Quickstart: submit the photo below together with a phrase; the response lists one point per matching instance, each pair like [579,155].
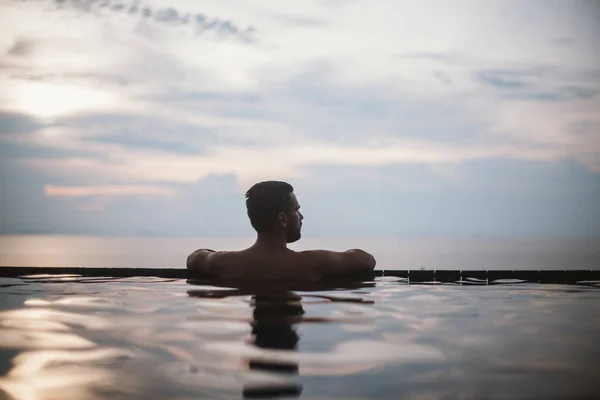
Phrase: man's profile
[274,213]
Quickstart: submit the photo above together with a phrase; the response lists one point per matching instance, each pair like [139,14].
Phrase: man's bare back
[256,263]
[274,213]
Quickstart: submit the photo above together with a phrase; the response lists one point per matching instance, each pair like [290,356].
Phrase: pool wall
[413,276]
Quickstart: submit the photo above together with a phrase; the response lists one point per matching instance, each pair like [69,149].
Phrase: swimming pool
[75,337]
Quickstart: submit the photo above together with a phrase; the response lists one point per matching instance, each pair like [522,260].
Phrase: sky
[388,117]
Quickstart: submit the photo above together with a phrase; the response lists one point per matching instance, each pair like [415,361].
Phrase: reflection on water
[96,338]
[272,327]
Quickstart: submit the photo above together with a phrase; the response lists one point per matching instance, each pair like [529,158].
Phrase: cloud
[11,123]
[491,197]
[500,197]
[109,191]
[538,85]
[503,79]
[294,20]
[21,47]
[135,11]
[164,95]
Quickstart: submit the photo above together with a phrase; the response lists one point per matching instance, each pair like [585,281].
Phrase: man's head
[273,208]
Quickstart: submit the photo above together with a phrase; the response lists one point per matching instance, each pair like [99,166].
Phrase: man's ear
[282,219]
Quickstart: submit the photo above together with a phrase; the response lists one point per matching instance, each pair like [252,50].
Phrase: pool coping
[416,276]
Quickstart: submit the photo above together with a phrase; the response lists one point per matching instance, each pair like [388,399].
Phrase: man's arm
[331,263]
[199,260]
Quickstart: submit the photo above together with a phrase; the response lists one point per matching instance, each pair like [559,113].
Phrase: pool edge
[413,276]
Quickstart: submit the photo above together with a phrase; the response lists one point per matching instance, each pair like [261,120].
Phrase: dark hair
[265,200]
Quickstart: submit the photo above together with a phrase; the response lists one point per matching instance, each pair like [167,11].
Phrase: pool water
[70,337]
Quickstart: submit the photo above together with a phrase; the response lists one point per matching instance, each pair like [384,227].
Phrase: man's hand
[362,258]
[331,263]
[199,260]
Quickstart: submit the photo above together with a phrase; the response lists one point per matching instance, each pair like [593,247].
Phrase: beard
[293,235]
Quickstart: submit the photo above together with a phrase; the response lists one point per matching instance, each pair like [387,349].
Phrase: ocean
[400,253]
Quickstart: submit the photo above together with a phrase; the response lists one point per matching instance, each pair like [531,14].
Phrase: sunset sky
[389,117]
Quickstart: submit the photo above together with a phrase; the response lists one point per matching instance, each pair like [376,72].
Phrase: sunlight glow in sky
[47,100]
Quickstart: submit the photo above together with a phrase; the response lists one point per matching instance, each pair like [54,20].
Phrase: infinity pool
[69,337]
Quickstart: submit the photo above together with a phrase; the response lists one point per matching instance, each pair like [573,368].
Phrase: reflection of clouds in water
[30,316]
[409,341]
[349,356]
[65,374]
[201,377]
[358,328]
[21,339]
[487,332]
[216,328]
[82,301]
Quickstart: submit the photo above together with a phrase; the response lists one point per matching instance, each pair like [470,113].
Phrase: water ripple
[76,337]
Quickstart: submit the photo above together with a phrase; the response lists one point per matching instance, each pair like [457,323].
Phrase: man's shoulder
[204,258]
[330,262]
[316,257]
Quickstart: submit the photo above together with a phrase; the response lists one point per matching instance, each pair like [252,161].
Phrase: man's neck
[271,240]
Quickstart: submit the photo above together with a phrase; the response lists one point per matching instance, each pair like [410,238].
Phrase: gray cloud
[495,196]
[129,139]
[212,206]
[22,152]
[320,106]
[504,79]
[11,123]
[168,16]
[560,94]
[535,83]
[564,41]
[118,79]
[195,97]
[244,105]
[539,84]
[442,57]
[522,198]
[22,47]
[337,3]
[17,140]
[150,133]
[296,20]
[442,77]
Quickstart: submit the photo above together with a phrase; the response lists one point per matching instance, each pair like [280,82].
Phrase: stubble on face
[294,230]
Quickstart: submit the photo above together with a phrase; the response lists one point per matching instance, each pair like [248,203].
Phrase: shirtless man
[274,213]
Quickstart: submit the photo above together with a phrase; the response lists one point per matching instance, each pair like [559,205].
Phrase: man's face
[294,224]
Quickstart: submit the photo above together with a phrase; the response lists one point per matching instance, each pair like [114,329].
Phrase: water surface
[95,338]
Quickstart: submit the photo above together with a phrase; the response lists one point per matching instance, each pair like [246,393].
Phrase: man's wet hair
[265,200]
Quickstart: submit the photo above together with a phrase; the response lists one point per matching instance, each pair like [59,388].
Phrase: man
[275,214]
